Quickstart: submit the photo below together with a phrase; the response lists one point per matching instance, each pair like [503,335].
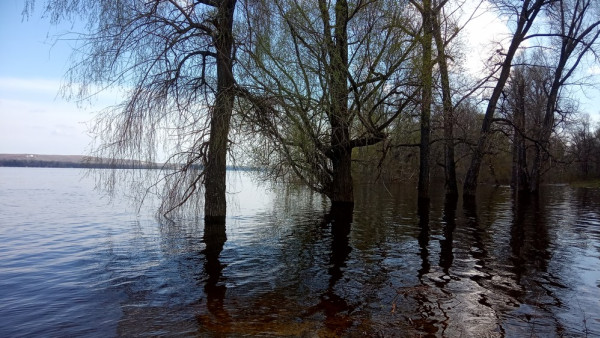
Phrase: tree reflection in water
[336,309]
[508,266]
[423,239]
[215,288]
[354,269]
[449,224]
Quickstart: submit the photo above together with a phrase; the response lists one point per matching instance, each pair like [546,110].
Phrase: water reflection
[215,288]
[449,224]
[290,265]
[336,309]
[532,290]
[423,238]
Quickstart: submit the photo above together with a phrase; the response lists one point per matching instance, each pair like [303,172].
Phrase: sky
[33,116]
[35,119]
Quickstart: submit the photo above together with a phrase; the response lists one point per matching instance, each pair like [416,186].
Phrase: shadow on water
[531,252]
[291,265]
[446,243]
[215,289]
[278,311]
[336,309]
[501,269]
[423,238]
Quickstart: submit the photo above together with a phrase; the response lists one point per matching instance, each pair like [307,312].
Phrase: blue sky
[34,118]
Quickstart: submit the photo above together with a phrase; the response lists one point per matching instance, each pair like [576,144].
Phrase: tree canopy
[310,90]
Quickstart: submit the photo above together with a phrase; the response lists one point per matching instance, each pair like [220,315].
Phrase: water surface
[285,263]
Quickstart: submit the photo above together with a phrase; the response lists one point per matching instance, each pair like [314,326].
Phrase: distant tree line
[24,163]
[65,164]
[323,92]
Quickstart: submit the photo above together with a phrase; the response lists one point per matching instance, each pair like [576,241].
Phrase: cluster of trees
[584,151]
[317,90]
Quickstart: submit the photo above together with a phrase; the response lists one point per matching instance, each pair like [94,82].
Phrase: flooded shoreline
[286,264]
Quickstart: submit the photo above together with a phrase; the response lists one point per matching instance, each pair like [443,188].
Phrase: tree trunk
[470,185]
[527,15]
[342,186]
[543,144]
[519,182]
[214,239]
[426,94]
[215,204]
[341,190]
[449,162]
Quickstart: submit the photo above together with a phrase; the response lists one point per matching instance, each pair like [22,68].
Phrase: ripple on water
[74,265]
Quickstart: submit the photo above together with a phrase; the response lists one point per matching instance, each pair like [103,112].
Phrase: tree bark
[215,204]
[341,190]
[449,162]
[426,98]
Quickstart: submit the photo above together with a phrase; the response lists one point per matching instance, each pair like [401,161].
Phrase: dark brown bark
[449,162]
[215,204]
[528,13]
[341,190]
[214,239]
[426,98]
[342,185]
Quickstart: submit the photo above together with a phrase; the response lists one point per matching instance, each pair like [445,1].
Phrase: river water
[73,263]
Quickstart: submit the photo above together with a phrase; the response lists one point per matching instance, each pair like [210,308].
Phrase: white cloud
[485,34]
[33,119]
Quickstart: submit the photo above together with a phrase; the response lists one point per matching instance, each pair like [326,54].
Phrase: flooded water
[286,264]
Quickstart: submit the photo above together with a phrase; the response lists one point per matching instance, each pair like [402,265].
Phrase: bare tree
[173,61]
[331,76]
[524,102]
[444,31]
[575,28]
[520,173]
[524,13]
[425,37]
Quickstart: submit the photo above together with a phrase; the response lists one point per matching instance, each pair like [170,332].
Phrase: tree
[525,99]
[447,105]
[585,149]
[525,15]
[216,165]
[321,80]
[426,78]
[174,62]
[575,28]
[520,173]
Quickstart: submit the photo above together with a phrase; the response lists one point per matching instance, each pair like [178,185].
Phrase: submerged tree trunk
[215,204]
[214,239]
[426,98]
[449,162]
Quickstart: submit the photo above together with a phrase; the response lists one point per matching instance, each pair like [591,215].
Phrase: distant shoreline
[79,161]
[69,161]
